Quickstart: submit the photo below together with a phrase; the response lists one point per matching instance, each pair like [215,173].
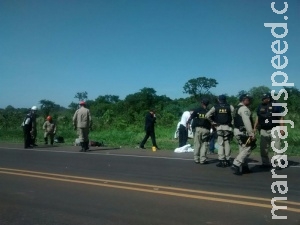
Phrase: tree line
[110,111]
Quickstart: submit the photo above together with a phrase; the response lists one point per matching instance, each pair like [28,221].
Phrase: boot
[46,140]
[236,170]
[221,163]
[82,147]
[86,146]
[245,169]
[227,163]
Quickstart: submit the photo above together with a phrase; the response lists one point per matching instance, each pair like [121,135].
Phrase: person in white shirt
[183,128]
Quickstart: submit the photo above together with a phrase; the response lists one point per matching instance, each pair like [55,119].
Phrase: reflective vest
[223,114]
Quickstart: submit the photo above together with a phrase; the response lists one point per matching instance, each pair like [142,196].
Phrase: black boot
[221,163]
[236,170]
[82,146]
[46,141]
[245,169]
[86,146]
[227,163]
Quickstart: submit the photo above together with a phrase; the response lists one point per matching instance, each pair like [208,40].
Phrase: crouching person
[50,130]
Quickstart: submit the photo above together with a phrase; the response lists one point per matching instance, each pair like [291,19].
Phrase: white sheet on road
[183,149]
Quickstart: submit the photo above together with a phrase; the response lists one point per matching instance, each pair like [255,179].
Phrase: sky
[52,49]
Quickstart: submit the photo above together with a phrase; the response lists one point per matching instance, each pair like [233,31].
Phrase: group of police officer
[236,121]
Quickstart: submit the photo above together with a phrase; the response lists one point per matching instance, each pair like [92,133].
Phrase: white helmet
[34,108]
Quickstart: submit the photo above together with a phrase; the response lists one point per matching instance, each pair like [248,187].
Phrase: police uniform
[82,121]
[222,113]
[265,122]
[201,127]
[27,129]
[243,130]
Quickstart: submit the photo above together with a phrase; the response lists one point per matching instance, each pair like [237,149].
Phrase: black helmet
[205,102]
[265,96]
[244,96]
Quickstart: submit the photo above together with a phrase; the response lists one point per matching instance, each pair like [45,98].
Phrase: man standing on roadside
[220,116]
[82,122]
[243,132]
[150,121]
[201,133]
[183,128]
[29,128]
[264,122]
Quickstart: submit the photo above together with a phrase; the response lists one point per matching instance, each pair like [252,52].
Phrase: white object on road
[183,149]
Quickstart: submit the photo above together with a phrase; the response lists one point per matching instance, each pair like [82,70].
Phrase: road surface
[59,185]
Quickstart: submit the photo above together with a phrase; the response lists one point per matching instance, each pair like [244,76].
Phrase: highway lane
[66,187]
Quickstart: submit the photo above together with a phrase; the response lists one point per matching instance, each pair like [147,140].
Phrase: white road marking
[112,154]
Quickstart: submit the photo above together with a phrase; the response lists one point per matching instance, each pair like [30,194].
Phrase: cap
[34,108]
[222,98]
[265,96]
[205,102]
[244,96]
[82,103]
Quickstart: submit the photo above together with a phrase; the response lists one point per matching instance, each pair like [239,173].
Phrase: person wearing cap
[50,129]
[221,116]
[201,127]
[29,128]
[150,121]
[264,122]
[82,122]
[244,134]
[183,128]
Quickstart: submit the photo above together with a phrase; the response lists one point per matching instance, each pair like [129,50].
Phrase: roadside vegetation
[119,122]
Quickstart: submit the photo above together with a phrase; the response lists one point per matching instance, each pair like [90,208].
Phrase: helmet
[205,102]
[265,96]
[34,108]
[244,96]
[81,103]
[222,98]
[49,118]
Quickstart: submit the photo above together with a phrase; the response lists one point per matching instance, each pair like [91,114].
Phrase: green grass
[130,137]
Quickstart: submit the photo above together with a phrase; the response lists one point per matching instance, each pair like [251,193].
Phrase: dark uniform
[221,115]
[27,129]
[201,127]
[265,123]
[150,121]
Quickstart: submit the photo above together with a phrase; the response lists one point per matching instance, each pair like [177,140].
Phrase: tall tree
[47,107]
[200,86]
[81,96]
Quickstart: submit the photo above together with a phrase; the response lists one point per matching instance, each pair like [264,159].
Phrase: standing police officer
[220,116]
[264,122]
[201,127]
[29,128]
[82,121]
[243,132]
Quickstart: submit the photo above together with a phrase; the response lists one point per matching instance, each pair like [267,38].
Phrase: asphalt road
[59,185]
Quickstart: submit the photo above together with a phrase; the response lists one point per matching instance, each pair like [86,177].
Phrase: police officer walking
[221,116]
[82,122]
[264,122]
[29,128]
[243,132]
[201,127]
